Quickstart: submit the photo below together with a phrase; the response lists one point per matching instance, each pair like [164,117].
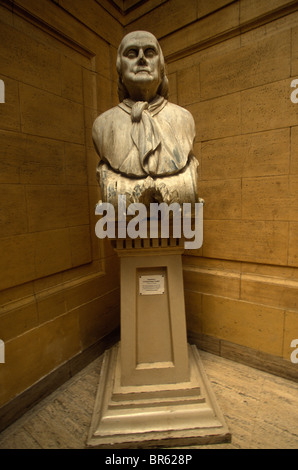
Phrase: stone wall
[59,284]
[231,63]
[232,67]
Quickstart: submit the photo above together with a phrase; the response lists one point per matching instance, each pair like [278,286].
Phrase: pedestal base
[164,415]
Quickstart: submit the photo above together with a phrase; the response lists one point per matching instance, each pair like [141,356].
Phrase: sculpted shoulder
[105,125]
[179,117]
[175,109]
[105,118]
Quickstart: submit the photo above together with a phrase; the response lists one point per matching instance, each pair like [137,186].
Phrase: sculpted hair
[163,89]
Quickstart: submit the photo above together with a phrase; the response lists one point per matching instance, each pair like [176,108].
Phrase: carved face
[140,61]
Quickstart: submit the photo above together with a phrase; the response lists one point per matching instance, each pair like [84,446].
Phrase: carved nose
[142,58]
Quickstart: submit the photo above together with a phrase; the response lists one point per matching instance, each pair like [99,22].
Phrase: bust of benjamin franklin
[145,143]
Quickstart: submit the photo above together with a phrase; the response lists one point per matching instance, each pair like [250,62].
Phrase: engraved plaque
[151,284]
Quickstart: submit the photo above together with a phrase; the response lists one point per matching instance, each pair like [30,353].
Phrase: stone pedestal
[153,329]
[153,390]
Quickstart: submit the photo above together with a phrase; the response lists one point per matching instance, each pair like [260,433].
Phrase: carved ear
[118,64]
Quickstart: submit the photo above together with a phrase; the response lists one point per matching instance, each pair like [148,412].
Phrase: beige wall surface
[232,67]
[59,284]
[231,63]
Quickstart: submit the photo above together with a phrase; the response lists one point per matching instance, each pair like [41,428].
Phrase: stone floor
[260,409]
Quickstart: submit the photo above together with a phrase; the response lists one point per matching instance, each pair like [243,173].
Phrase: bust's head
[141,68]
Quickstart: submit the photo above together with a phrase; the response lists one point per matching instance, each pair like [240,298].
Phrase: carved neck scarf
[145,132]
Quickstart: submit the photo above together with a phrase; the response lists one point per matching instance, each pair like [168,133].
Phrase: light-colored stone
[13,210]
[271,28]
[79,238]
[293,244]
[188,85]
[149,389]
[104,93]
[145,138]
[19,320]
[270,270]
[43,162]
[252,9]
[290,333]
[248,155]
[57,32]
[153,330]
[270,198]
[279,292]
[246,396]
[212,280]
[12,153]
[20,370]
[52,252]
[246,240]
[26,60]
[294,52]
[216,118]
[42,215]
[173,93]
[76,205]
[69,206]
[48,115]
[294,150]
[17,254]
[249,324]
[197,32]
[265,61]
[49,342]
[171,414]
[50,306]
[268,107]
[226,206]
[98,317]
[93,15]
[32,255]
[10,110]
[205,8]
[163,20]
[75,164]
[89,88]
[193,306]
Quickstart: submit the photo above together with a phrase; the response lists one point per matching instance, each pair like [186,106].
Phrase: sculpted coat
[146,147]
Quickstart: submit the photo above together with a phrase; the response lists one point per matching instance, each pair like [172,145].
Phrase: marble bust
[145,143]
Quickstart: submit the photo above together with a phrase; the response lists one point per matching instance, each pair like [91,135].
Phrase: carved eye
[150,52]
[132,53]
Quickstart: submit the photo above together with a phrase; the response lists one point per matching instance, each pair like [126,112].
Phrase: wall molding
[232,33]
[47,28]
[257,359]
[22,403]
[264,281]
[47,292]
[129,12]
